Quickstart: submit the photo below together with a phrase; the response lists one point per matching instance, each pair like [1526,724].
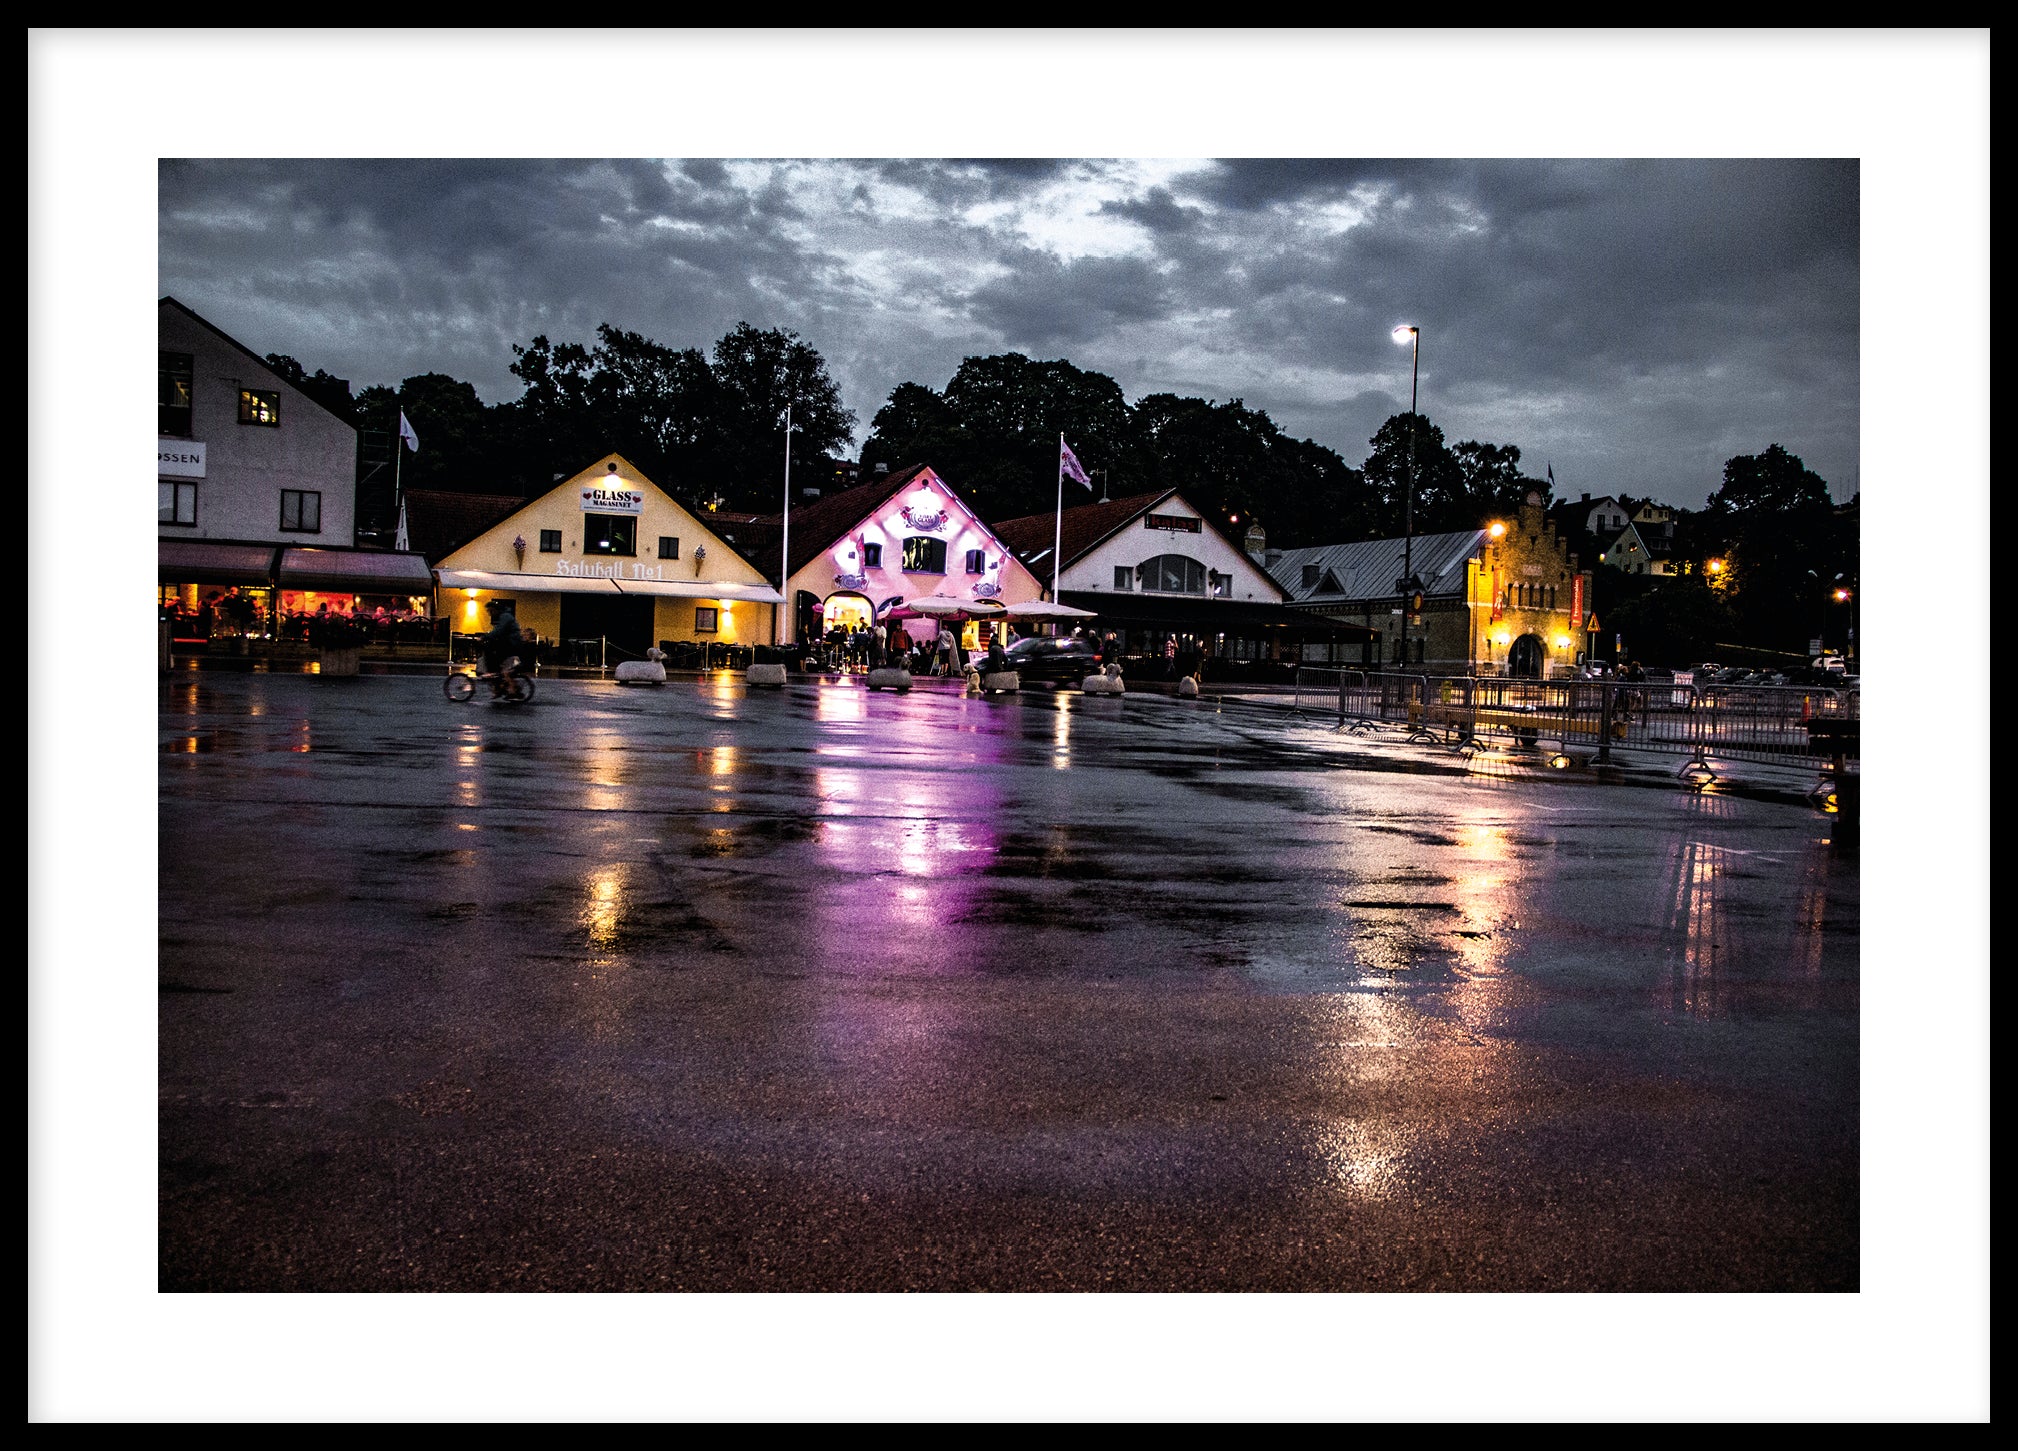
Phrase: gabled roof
[1368,570]
[439,522]
[224,336]
[816,526]
[1079,530]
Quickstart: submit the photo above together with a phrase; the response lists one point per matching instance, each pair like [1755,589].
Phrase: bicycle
[511,684]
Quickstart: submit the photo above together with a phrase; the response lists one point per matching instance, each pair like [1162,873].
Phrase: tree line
[708,426]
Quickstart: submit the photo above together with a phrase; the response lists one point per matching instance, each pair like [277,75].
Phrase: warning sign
[1592,626]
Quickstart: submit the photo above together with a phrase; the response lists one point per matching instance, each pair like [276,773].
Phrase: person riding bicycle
[505,641]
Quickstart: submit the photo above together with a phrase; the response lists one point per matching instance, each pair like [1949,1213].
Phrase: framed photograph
[705,619]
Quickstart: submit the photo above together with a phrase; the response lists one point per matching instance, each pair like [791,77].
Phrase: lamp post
[1412,335]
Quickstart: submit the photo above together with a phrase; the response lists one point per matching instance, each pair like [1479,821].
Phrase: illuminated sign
[612,499]
[1176,523]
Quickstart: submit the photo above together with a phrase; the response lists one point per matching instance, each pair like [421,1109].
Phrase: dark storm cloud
[1626,319]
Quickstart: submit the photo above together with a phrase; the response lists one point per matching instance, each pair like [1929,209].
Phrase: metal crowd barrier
[1592,719]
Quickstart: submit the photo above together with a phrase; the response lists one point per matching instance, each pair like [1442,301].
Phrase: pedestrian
[945,650]
[1170,654]
[879,640]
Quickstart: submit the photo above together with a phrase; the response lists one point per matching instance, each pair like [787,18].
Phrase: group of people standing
[871,647]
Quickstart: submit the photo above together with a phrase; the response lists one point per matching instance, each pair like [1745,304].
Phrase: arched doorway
[846,610]
[1524,659]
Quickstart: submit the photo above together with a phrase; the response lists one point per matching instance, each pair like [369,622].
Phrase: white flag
[1068,464]
[407,435]
[399,534]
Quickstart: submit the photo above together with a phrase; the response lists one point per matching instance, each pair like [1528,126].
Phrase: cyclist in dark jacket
[504,641]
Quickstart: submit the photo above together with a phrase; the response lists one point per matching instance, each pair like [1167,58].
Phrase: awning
[518,584]
[1208,616]
[200,561]
[355,571]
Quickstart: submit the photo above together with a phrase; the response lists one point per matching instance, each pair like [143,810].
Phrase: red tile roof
[439,522]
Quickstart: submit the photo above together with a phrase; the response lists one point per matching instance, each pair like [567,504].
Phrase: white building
[1160,574]
[258,493]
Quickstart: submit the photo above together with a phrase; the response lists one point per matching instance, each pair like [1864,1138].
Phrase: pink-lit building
[856,554]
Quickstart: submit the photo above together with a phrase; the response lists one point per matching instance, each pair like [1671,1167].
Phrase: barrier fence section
[1592,719]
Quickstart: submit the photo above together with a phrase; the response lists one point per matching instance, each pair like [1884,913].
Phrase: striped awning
[355,571]
[203,561]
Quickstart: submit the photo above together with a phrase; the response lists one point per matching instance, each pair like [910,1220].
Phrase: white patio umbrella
[1048,610]
[944,607]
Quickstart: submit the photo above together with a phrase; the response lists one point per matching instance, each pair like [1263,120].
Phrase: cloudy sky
[1632,323]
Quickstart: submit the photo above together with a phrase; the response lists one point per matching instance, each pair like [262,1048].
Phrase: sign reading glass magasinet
[612,499]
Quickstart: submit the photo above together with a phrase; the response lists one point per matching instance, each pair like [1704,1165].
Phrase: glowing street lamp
[1411,336]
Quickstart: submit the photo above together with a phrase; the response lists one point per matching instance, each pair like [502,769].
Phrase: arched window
[1173,574]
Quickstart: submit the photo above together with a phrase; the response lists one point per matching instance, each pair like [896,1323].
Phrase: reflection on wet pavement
[826,988]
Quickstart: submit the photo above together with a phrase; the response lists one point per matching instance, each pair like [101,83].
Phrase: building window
[1124,577]
[178,502]
[178,373]
[300,511]
[1174,574]
[924,556]
[260,408]
[872,556]
[550,541]
[1219,586]
[707,620]
[977,561]
[669,547]
[609,534]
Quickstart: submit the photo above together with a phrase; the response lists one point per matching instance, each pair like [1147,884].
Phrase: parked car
[1068,659]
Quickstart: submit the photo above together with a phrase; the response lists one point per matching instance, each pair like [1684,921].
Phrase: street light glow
[1404,334]
[1498,530]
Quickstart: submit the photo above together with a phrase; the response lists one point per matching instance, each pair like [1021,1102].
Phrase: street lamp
[1412,336]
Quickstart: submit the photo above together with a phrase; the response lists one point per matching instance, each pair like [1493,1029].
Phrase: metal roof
[1368,570]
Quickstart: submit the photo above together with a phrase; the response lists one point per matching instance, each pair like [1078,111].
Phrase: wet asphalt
[701,988]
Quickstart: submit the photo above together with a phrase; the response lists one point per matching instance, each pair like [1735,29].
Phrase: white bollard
[641,672]
[1107,683]
[890,677]
[1188,687]
[996,680]
[771,674]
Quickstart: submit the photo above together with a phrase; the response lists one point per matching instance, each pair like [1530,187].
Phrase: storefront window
[1174,574]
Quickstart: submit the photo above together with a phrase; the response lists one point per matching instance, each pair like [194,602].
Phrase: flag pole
[785,543]
[1058,520]
[398,448]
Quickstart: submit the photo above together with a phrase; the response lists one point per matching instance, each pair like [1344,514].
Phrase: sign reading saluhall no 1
[612,499]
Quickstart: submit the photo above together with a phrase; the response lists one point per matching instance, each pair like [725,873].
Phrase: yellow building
[607,565]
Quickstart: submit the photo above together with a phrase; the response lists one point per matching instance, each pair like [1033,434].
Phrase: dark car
[1067,659]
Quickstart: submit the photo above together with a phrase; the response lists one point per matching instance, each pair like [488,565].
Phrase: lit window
[924,556]
[178,502]
[301,511]
[260,408]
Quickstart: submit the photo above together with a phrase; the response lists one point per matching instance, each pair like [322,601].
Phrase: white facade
[1133,560]
[287,475]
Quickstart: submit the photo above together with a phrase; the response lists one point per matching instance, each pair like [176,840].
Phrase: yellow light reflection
[1363,1157]
[603,906]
